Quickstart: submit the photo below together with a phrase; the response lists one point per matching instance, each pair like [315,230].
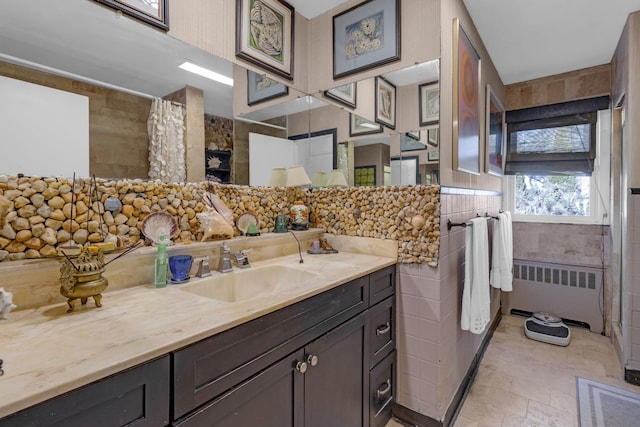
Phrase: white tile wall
[433,353]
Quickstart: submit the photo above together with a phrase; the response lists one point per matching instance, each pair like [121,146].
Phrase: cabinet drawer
[382,330]
[382,390]
[382,284]
[137,396]
[208,368]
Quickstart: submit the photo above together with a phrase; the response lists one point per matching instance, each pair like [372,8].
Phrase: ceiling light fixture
[204,72]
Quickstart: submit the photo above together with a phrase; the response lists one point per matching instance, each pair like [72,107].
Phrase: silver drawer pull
[383,391]
[383,329]
[312,360]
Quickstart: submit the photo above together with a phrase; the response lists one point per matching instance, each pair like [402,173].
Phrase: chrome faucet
[226,256]
[224,263]
[241,259]
[203,267]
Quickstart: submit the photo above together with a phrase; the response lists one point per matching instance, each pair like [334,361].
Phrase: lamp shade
[297,177]
[319,179]
[278,177]
[337,179]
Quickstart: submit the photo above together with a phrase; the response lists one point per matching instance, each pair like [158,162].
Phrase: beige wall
[571,86]
[373,155]
[117,123]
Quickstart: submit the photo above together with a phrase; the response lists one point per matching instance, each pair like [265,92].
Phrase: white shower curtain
[166,141]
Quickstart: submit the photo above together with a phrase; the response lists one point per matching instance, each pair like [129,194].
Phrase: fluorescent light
[369,125]
[204,72]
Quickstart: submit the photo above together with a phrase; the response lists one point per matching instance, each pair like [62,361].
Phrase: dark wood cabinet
[333,388]
[138,396]
[328,360]
[272,398]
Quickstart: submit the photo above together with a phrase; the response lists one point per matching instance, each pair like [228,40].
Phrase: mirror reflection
[337,128]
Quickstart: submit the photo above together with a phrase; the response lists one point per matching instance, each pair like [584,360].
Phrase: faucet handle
[225,248]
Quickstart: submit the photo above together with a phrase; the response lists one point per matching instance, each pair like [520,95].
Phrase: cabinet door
[335,389]
[272,398]
[138,396]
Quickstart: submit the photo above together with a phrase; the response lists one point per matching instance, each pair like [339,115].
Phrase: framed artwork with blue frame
[366,36]
[261,88]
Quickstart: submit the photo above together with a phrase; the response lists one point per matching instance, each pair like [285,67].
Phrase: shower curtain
[166,141]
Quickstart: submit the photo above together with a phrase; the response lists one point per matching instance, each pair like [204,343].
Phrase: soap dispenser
[161,264]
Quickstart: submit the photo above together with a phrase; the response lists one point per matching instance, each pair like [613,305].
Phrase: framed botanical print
[429,96]
[345,94]
[264,34]
[154,12]
[433,136]
[361,126]
[466,99]
[415,134]
[495,134]
[366,36]
[408,143]
[385,103]
[261,88]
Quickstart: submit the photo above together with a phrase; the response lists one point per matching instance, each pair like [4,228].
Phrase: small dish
[177,282]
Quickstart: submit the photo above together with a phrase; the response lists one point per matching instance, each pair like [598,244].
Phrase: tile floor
[522,382]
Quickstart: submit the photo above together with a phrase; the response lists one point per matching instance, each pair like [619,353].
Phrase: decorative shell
[158,223]
[214,162]
[245,220]
[213,225]
[6,303]
[215,202]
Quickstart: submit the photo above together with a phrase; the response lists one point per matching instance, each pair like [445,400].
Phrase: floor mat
[601,405]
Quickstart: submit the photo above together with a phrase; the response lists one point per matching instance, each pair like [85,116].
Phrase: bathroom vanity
[316,354]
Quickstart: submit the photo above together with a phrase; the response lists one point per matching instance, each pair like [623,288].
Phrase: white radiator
[571,292]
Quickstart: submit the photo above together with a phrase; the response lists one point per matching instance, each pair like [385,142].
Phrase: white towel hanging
[476,301]
[502,261]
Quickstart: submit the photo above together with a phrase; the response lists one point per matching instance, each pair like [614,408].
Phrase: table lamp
[299,214]
[319,179]
[337,179]
[278,177]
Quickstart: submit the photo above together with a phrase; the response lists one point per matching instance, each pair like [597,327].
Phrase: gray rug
[600,405]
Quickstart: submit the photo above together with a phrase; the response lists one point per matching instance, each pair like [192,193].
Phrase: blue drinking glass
[180,265]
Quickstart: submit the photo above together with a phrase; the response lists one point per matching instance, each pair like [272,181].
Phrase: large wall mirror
[376,140]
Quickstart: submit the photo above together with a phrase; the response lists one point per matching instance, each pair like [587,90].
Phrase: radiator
[571,292]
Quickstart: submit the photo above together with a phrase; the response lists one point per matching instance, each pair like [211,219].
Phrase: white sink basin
[253,282]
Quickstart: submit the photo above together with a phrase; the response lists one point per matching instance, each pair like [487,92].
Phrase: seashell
[245,220]
[6,303]
[417,221]
[213,201]
[214,225]
[214,162]
[158,223]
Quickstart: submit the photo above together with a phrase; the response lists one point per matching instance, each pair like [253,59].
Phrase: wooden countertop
[47,351]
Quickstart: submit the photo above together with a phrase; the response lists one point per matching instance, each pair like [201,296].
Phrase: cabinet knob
[301,367]
[312,360]
[383,391]
[383,329]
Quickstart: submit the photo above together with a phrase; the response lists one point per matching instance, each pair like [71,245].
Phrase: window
[559,169]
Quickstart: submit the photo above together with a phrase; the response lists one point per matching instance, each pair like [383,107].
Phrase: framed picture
[496,135]
[433,136]
[261,88]
[408,143]
[466,96]
[429,96]
[366,36]
[361,126]
[433,156]
[365,176]
[154,12]
[385,103]
[415,134]
[264,34]
[345,94]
